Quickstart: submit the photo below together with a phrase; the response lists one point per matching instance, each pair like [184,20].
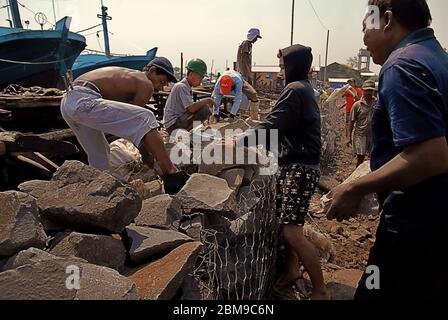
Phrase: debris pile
[86,234]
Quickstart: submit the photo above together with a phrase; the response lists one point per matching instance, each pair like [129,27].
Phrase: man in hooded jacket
[296,118]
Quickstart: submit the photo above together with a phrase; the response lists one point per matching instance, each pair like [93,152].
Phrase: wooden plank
[29,102]
[17,142]
[59,135]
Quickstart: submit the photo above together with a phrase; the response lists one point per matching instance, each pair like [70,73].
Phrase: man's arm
[198,106]
[153,144]
[414,165]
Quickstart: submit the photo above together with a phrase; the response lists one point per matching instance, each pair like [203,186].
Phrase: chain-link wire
[239,257]
[332,126]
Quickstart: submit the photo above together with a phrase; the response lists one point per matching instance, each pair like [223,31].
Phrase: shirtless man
[112,100]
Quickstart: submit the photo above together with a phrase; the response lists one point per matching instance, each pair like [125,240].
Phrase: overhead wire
[317,15]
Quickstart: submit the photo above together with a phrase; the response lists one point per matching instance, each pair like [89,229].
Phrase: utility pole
[320,67]
[292,22]
[181,65]
[326,57]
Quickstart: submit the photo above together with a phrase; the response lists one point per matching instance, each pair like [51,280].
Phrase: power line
[92,33]
[317,15]
[84,30]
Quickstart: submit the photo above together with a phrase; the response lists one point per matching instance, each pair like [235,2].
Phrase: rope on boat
[37,63]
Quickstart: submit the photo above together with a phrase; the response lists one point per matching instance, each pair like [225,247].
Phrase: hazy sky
[212,29]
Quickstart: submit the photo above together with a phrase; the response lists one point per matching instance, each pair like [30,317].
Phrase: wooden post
[181,65]
[292,22]
[326,58]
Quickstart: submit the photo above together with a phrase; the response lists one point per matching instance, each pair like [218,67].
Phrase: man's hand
[345,202]
[210,102]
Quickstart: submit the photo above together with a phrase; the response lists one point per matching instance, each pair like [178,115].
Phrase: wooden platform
[11,102]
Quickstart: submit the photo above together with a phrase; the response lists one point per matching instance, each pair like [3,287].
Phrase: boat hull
[88,62]
[36,58]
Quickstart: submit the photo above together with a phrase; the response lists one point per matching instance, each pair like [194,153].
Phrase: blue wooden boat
[91,61]
[37,57]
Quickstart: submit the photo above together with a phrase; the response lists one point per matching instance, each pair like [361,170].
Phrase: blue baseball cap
[165,65]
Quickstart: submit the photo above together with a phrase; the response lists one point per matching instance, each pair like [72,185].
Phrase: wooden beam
[30,102]
[59,135]
[18,142]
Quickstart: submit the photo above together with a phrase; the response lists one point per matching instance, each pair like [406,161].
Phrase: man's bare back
[121,84]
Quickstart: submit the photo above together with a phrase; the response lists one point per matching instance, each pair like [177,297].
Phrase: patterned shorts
[295,187]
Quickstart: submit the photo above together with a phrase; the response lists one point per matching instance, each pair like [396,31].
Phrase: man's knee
[203,114]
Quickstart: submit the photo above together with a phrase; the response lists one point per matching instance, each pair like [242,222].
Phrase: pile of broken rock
[86,235]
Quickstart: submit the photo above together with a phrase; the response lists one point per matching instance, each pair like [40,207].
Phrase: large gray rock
[248,199]
[36,275]
[249,173]
[191,290]
[242,157]
[230,129]
[96,249]
[161,280]
[192,226]
[217,228]
[147,243]
[28,187]
[247,225]
[147,190]
[161,210]
[85,199]
[31,256]
[206,193]
[234,178]
[20,228]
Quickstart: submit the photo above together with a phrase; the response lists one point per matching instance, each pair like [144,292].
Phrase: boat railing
[92,51]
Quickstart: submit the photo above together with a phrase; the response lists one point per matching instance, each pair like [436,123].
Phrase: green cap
[198,66]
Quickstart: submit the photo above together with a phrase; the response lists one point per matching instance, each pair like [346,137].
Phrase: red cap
[226,84]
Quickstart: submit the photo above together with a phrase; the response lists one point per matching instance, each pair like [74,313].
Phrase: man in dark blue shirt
[409,158]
